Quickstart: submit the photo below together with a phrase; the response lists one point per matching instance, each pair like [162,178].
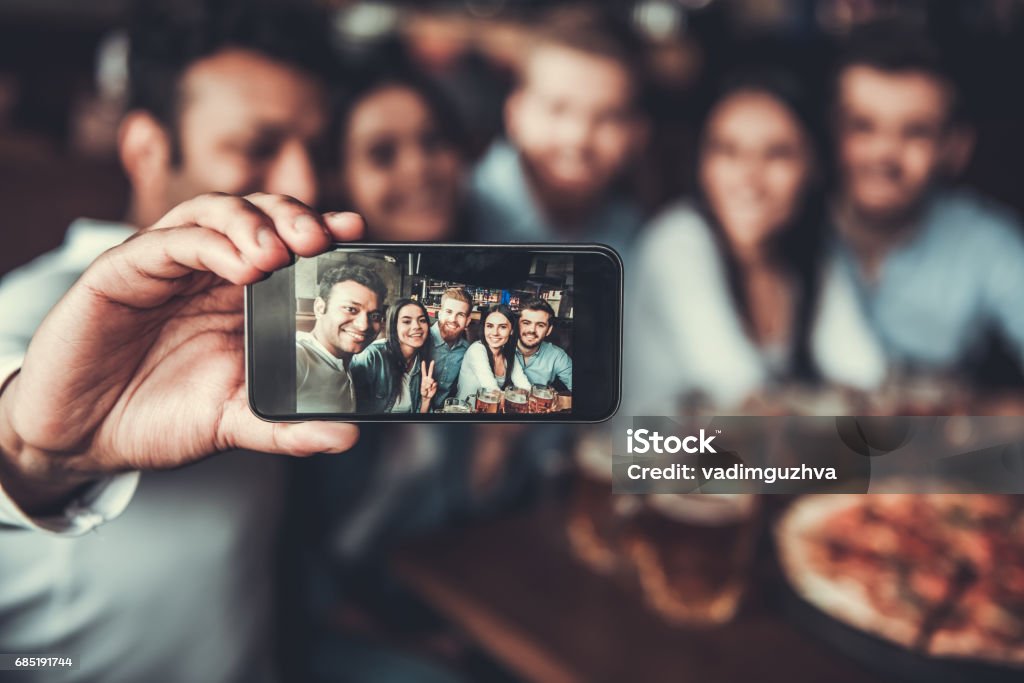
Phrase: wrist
[29,476]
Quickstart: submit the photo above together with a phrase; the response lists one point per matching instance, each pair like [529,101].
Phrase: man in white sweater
[122,362]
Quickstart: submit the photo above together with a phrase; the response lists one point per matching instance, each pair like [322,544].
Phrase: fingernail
[265,237]
[306,223]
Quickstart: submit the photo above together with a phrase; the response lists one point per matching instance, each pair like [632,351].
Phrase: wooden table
[515,587]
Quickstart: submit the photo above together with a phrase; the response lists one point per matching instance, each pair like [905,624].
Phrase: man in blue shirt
[543,361]
[575,125]
[937,269]
[448,336]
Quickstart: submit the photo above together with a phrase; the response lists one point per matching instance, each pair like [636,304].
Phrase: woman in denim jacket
[395,374]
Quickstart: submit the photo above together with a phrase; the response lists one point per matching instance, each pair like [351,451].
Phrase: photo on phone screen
[438,332]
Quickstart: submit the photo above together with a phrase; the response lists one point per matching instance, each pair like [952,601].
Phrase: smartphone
[438,332]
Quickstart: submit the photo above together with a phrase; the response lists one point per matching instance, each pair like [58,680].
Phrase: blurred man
[574,125]
[450,344]
[543,361]
[937,267]
[140,365]
[348,317]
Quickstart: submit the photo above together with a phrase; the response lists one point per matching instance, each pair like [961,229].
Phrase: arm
[476,362]
[563,368]
[151,353]
[694,337]
[1004,284]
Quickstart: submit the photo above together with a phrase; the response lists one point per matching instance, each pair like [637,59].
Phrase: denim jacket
[377,380]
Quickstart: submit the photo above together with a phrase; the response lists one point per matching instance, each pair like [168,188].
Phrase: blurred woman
[401,157]
[737,289]
[491,363]
[395,374]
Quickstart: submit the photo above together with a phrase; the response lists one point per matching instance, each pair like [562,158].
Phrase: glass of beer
[455,405]
[596,516]
[692,554]
[516,400]
[487,400]
[541,398]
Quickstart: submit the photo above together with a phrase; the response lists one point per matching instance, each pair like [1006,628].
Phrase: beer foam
[707,508]
[594,456]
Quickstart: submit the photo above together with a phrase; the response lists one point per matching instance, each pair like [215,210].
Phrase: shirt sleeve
[1004,282]
[563,368]
[476,362]
[101,502]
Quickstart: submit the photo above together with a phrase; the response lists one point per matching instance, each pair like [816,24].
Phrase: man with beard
[543,361]
[574,125]
[348,318]
[937,268]
[448,335]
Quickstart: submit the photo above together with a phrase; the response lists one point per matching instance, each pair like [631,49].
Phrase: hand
[428,385]
[140,365]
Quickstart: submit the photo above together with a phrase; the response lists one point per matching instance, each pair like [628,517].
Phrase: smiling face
[349,320]
[452,319]
[755,165]
[534,327]
[400,172]
[894,136]
[574,121]
[247,124]
[411,325]
[497,330]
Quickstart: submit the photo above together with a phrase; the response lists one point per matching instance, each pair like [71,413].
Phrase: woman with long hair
[401,155]
[491,362]
[395,374]
[738,288]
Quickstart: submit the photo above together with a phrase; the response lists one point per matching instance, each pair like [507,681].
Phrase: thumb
[240,428]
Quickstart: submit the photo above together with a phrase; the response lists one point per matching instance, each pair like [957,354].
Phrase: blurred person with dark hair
[575,123]
[491,363]
[348,318]
[737,289]
[401,155]
[396,374]
[225,97]
[937,268]
[543,362]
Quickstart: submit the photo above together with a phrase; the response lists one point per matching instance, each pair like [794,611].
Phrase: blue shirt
[546,364]
[447,364]
[937,294]
[504,209]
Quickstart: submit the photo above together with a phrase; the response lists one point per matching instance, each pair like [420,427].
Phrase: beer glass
[516,400]
[692,554]
[541,398]
[487,400]
[455,405]
[596,516]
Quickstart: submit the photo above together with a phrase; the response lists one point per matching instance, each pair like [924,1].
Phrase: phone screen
[414,332]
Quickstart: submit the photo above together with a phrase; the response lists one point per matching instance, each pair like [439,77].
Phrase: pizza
[938,573]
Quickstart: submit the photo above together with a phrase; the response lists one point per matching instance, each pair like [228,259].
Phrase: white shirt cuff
[100,503]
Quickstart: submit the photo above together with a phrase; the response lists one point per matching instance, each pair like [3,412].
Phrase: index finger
[430,372]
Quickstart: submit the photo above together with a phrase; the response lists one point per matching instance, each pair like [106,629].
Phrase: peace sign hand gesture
[428,385]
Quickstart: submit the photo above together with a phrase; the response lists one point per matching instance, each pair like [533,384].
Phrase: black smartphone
[438,332]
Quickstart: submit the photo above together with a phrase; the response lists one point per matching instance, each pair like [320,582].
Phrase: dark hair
[508,350]
[166,37]
[894,46]
[799,245]
[394,349]
[358,273]
[537,304]
[392,69]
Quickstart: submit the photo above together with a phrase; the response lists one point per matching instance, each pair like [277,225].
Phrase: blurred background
[501,554]
[63,80]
